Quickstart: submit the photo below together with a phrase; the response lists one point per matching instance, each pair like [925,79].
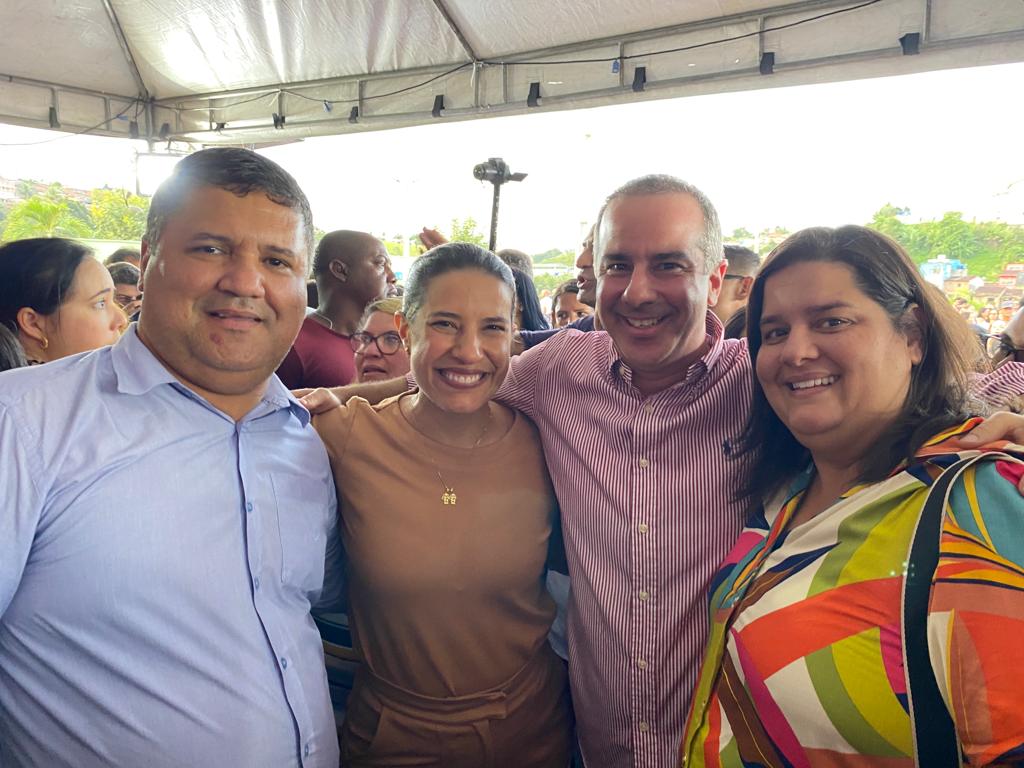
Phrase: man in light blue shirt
[168,510]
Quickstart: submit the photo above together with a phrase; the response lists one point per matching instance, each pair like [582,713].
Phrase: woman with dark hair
[529,314]
[446,514]
[841,633]
[57,298]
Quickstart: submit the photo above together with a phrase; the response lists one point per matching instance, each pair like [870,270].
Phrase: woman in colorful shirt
[861,392]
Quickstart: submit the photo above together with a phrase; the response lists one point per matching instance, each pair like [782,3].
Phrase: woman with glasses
[379,352]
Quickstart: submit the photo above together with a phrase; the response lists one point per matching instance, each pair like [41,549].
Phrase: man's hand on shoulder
[320,400]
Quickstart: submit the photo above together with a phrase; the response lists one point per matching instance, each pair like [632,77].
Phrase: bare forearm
[371,391]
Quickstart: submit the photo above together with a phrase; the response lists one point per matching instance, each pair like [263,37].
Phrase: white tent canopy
[256,71]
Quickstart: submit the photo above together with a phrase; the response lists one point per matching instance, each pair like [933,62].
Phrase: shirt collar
[138,371]
[714,332]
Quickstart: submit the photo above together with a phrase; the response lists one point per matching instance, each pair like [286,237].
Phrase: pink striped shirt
[644,485]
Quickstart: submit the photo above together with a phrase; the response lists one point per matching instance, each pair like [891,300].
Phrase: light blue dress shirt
[158,562]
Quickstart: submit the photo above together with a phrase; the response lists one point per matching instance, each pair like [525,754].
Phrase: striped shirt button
[643,726]
[643,528]
[641,663]
[644,463]
[644,595]
[648,408]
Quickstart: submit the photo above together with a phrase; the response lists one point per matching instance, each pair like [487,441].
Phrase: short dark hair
[664,184]
[742,261]
[938,396]
[37,273]
[239,171]
[123,273]
[517,260]
[12,355]
[450,257]
[122,254]
[569,286]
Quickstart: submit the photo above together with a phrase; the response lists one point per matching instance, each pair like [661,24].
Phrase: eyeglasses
[999,347]
[387,343]
[729,276]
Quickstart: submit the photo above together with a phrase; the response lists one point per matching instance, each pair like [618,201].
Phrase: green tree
[465,231]
[740,234]
[118,214]
[43,216]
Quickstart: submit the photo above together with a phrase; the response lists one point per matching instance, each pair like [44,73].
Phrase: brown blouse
[443,600]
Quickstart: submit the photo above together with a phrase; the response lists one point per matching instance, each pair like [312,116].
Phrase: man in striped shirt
[638,428]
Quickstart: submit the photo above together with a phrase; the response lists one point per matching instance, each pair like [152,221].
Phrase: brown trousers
[524,723]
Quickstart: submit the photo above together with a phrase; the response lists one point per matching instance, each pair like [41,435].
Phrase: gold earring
[46,342]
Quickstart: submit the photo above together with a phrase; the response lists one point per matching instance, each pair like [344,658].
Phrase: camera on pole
[496,171]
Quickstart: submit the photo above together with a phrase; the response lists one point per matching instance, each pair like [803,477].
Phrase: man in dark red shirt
[351,269]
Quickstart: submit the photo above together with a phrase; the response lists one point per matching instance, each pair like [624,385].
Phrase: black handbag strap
[936,744]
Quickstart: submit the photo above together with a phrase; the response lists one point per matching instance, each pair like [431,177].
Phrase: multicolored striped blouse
[804,666]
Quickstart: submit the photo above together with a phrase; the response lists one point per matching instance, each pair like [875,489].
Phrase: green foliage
[740,234]
[548,281]
[118,215]
[112,214]
[465,231]
[554,256]
[42,216]
[985,247]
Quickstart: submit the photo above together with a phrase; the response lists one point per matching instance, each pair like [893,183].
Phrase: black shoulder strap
[936,744]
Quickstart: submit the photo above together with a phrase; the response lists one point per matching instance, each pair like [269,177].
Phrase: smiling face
[653,290]
[832,364]
[461,339]
[225,290]
[88,318]
[371,363]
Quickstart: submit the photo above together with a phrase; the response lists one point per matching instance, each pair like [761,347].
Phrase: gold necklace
[449,497]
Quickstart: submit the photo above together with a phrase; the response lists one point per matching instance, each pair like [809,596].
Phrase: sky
[826,154]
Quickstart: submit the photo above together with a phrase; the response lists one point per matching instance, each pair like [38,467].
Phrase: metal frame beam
[447,16]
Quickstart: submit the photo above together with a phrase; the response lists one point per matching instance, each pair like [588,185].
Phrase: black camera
[496,171]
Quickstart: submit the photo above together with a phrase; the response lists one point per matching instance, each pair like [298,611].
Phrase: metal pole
[494,217]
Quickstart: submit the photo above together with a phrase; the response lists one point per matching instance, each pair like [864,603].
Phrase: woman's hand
[317,401]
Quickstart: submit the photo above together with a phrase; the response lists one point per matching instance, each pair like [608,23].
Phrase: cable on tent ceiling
[119,115]
[604,60]
[608,59]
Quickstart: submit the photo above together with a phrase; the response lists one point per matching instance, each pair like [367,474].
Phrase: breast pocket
[303,507]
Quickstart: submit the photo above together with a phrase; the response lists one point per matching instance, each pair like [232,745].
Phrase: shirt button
[284,663]
[644,595]
[248,506]
[305,751]
[256,582]
[648,408]
[643,726]
[643,528]
[641,663]
[643,463]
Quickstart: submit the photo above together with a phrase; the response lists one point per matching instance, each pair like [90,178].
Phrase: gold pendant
[448,497]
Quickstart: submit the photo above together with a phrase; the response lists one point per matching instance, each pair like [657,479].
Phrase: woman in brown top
[446,510]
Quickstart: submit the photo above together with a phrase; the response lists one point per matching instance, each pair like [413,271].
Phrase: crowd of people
[710,511]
